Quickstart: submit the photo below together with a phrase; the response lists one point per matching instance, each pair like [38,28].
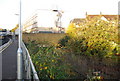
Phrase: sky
[72,9]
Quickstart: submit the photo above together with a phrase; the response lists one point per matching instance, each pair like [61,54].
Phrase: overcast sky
[72,9]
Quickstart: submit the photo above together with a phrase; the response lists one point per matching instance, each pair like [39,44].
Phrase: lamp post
[19,52]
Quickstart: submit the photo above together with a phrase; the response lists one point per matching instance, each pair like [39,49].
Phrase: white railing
[29,69]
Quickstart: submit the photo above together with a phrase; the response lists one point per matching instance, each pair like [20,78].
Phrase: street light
[19,52]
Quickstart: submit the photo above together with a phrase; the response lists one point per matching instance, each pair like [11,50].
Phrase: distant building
[41,21]
[78,21]
[108,17]
[17,31]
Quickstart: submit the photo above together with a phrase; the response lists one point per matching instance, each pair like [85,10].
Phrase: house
[78,21]
[108,17]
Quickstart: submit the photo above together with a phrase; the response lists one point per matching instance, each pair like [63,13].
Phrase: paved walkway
[9,62]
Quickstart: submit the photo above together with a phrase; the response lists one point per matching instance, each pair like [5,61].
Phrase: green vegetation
[50,38]
[97,41]
[49,62]
[95,38]
[87,48]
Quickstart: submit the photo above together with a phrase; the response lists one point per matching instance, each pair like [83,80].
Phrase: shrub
[96,37]
[64,41]
[50,63]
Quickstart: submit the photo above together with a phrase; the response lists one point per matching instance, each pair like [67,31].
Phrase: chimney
[86,14]
[101,13]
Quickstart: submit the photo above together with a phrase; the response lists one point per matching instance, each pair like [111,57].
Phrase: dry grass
[52,38]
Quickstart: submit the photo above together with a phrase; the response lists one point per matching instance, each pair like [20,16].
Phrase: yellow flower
[40,68]
[53,60]
[51,77]
[45,67]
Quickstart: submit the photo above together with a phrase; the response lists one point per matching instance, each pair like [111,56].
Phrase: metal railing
[29,69]
[3,47]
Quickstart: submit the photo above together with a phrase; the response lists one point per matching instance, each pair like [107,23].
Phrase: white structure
[42,21]
[17,31]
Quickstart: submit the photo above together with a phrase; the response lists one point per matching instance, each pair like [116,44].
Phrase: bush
[33,47]
[96,37]
[64,41]
[97,41]
[50,63]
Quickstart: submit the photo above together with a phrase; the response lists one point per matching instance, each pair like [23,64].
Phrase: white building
[42,21]
[17,31]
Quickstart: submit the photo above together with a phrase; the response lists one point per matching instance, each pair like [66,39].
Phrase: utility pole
[19,52]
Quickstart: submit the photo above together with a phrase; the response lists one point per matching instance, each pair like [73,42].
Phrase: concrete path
[9,62]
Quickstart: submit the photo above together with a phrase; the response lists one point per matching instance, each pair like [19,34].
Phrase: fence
[29,69]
